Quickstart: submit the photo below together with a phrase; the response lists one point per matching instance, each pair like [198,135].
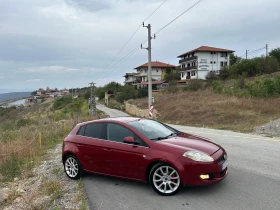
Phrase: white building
[197,63]
[130,78]
[158,71]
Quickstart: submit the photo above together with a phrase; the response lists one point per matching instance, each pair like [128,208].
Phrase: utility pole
[92,106]
[266,48]
[247,54]
[72,94]
[150,93]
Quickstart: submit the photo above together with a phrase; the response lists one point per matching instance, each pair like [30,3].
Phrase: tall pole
[266,48]
[149,74]
[246,54]
[150,93]
[92,97]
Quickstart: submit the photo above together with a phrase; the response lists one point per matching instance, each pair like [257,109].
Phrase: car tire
[165,179]
[72,167]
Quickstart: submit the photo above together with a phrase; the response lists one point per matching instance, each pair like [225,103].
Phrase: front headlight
[198,156]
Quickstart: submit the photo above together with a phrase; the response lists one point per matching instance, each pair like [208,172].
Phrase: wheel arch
[66,155]
[153,163]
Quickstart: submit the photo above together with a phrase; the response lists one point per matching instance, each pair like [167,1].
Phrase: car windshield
[152,130]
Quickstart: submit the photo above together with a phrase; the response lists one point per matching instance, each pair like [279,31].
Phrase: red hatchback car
[143,150]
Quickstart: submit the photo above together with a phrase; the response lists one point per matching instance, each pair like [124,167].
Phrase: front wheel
[164,179]
[72,167]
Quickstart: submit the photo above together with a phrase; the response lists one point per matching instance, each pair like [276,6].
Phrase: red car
[143,150]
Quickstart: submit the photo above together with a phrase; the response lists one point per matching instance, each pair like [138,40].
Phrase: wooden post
[40,140]
[64,127]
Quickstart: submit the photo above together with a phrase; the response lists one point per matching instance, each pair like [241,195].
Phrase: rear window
[94,130]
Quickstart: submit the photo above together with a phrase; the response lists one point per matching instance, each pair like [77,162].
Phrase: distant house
[65,91]
[197,63]
[130,78]
[158,71]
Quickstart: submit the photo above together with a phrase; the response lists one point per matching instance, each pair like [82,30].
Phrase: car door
[90,144]
[126,160]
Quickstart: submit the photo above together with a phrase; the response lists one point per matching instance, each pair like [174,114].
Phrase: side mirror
[129,139]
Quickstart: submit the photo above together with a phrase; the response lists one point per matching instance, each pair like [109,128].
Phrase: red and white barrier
[151,110]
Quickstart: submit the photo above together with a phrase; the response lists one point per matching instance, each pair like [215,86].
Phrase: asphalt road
[253,181]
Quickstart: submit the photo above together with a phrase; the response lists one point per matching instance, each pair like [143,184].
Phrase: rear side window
[81,131]
[94,130]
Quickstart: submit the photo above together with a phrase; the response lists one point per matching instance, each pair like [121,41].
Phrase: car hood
[191,144]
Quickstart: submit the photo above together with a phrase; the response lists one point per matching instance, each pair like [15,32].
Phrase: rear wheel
[72,167]
[165,179]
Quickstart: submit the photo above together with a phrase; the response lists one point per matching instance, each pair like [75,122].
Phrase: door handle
[108,150]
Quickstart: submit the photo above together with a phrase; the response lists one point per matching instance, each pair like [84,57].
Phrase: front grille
[222,159]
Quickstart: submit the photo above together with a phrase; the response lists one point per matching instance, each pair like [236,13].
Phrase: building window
[193,73]
[211,62]
[182,75]
[222,54]
[214,62]
[222,63]
[157,70]
[225,63]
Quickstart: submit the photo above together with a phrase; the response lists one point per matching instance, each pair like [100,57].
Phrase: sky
[70,43]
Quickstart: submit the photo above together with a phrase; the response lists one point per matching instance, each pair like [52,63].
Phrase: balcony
[188,59]
[188,68]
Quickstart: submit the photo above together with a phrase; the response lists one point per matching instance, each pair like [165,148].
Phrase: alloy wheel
[71,167]
[166,180]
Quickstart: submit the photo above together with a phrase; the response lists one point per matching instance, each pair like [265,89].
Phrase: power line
[179,16]
[122,60]
[133,35]
[253,52]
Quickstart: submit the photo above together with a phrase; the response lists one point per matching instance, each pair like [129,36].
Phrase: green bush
[62,102]
[194,85]
[24,122]
[127,92]
[142,92]
[10,169]
[265,88]
[172,87]
[217,87]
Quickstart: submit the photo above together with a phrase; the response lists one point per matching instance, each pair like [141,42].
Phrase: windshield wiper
[165,137]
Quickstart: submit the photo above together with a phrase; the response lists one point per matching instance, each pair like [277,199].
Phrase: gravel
[36,191]
[271,129]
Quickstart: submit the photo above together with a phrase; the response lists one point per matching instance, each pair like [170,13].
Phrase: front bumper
[190,170]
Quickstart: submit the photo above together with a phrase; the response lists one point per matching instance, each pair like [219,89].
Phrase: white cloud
[33,80]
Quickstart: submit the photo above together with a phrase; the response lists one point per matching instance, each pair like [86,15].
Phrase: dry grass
[204,108]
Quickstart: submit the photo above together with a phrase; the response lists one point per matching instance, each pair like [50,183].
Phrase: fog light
[204,176]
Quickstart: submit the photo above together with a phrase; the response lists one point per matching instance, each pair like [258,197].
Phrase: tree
[275,53]
[168,70]
[234,59]
[172,76]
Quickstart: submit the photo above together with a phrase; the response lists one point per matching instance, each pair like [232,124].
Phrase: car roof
[111,119]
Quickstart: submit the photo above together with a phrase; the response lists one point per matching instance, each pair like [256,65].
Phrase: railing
[188,59]
[188,68]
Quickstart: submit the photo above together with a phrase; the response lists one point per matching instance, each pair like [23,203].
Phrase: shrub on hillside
[172,87]
[217,86]
[265,88]
[251,67]
[142,92]
[194,85]
[62,102]
[127,92]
